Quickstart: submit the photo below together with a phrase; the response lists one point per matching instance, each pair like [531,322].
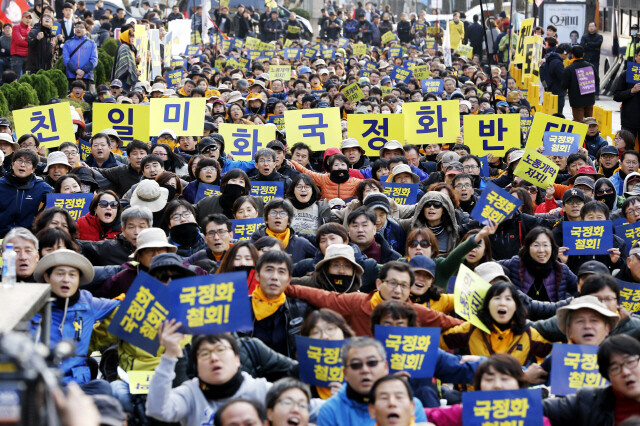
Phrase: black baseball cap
[593,267]
[573,193]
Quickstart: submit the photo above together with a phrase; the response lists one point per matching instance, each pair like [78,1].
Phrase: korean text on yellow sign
[243,140]
[547,123]
[129,121]
[318,128]
[469,294]
[526,30]
[353,92]
[421,72]
[492,133]
[52,124]
[183,116]
[139,381]
[142,45]
[280,72]
[372,131]
[533,47]
[537,169]
[359,49]
[464,50]
[435,122]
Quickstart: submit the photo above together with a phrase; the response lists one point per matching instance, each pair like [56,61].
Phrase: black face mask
[608,199]
[185,233]
[339,176]
[171,189]
[246,268]
[340,283]
[233,190]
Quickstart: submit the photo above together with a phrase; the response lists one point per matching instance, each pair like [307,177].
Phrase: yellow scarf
[264,307]
[376,300]
[323,393]
[72,96]
[283,237]
[182,92]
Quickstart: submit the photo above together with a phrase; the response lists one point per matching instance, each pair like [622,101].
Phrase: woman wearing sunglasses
[103,220]
[605,191]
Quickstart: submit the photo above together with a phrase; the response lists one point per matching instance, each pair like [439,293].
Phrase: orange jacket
[330,190]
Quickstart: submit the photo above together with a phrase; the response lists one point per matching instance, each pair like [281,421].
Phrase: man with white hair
[25,244]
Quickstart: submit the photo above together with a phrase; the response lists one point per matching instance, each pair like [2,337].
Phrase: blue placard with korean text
[401,74]
[629,232]
[410,349]
[619,221]
[319,360]
[522,407]
[633,73]
[432,85]
[173,78]
[84,148]
[309,52]
[144,308]
[395,52]
[292,53]
[560,144]
[267,190]
[243,229]
[587,237]
[485,170]
[494,204]
[210,304]
[401,193]
[525,124]
[278,120]
[207,190]
[629,296]
[192,49]
[76,204]
[574,367]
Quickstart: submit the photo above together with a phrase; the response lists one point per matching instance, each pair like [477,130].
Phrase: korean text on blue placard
[494,204]
[633,73]
[320,362]
[630,296]
[207,190]
[522,407]
[431,85]
[629,232]
[76,204]
[574,367]
[401,193]
[587,237]
[412,349]
[243,229]
[560,144]
[267,190]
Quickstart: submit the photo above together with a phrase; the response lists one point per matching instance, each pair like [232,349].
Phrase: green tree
[110,46]
[44,87]
[59,79]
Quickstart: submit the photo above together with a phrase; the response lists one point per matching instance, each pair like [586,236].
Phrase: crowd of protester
[336,256]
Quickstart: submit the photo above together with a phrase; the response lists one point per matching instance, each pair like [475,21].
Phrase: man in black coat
[592,41]
[266,169]
[475,34]
[580,79]
[629,95]
[552,71]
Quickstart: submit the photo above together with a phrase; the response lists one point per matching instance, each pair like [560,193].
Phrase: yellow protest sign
[142,40]
[537,169]
[318,128]
[183,116]
[372,131]
[252,43]
[387,37]
[243,140]
[439,122]
[491,133]
[386,90]
[464,50]
[129,121]
[139,381]
[547,123]
[353,92]
[279,72]
[526,30]
[421,72]
[52,124]
[469,293]
[359,49]
[533,46]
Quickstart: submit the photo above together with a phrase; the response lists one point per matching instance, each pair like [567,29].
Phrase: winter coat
[456,33]
[475,34]
[555,70]
[594,143]
[591,44]
[195,246]
[20,39]
[397,211]
[111,162]
[451,415]
[259,360]
[570,83]
[385,27]
[107,252]
[324,215]
[630,102]
[395,235]
[41,52]
[272,25]
[211,204]
[356,308]
[329,189]
[19,205]
[77,326]
[298,247]
[448,219]
[560,284]
[85,58]
[588,407]
[342,410]
[90,228]
[124,65]
[122,178]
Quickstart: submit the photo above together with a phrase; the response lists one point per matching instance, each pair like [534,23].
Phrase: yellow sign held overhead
[547,123]
[372,131]
[243,140]
[537,169]
[279,72]
[318,128]
[469,294]
[526,30]
[491,134]
[533,47]
[52,124]
[437,122]
[183,116]
[129,121]
[353,92]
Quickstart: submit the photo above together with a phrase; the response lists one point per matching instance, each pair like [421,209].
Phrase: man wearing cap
[385,224]
[20,43]
[22,193]
[444,159]
[338,271]
[593,141]
[74,312]
[609,160]
[57,166]
[351,149]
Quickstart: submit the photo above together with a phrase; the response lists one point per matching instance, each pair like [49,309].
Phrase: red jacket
[19,43]
[90,229]
[356,308]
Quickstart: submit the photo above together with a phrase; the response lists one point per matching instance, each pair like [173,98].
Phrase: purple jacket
[560,284]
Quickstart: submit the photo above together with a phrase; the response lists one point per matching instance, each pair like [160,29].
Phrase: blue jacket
[85,58]
[111,162]
[395,235]
[594,143]
[81,316]
[340,410]
[618,183]
[560,284]
[247,166]
[19,205]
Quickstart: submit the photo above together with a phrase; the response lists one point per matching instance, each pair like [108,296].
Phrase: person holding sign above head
[618,363]
[503,314]
[364,362]
[337,183]
[74,313]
